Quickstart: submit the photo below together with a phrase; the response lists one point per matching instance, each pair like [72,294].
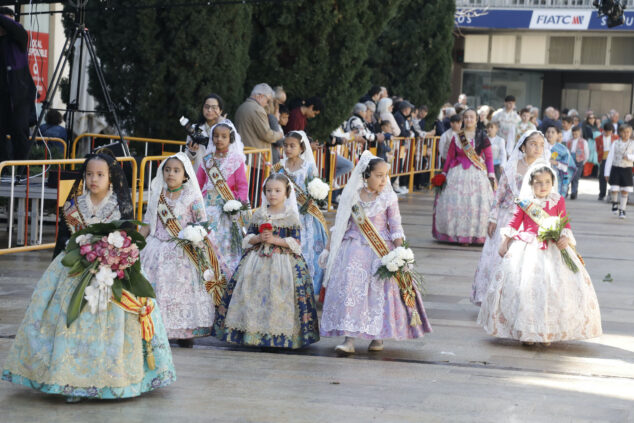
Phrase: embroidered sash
[302,197]
[215,287]
[74,219]
[379,246]
[538,215]
[142,307]
[216,177]
[470,152]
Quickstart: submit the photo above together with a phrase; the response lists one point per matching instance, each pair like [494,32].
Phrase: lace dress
[100,355]
[358,303]
[534,296]
[269,302]
[232,168]
[188,310]
[502,211]
[314,236]
[461,210]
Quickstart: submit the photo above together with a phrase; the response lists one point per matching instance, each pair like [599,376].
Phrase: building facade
[544,52]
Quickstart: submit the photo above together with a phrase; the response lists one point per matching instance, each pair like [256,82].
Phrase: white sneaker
[376,345]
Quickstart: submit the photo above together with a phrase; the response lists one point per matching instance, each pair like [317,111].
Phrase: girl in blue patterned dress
[99,355]
[299,164]
[269,301]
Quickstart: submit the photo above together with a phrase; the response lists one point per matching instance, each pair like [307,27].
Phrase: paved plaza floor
[455,374]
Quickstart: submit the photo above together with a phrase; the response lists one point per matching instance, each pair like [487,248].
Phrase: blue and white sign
[543,19]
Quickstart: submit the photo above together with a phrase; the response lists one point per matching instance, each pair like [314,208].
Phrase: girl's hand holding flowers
[562,243]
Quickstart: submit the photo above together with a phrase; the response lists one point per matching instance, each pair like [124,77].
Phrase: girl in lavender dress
[359,304]
[529,148]
[188,310]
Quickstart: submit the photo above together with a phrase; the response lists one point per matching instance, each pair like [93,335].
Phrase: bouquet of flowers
[106,255]
[234,208]
[317,192]
[439,181]
[193,236]
[399,260]
[550,229]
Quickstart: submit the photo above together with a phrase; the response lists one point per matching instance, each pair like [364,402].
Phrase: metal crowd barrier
[92,138]
[34,188]
[53,140]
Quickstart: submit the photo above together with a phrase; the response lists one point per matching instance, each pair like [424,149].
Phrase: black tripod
[80,32]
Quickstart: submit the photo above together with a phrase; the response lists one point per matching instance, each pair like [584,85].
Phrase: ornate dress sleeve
[394,219]
[488,160]
[514,224]
[241,184]
[451,154]
[294,240]
[201,175]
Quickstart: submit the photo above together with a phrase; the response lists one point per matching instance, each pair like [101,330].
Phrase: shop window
[561,50]
[621,51]
[593,50]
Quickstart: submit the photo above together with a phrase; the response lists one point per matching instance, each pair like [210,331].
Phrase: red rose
[438,180]
[266,227]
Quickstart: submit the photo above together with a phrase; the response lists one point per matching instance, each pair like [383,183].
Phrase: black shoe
[621,214]
[186,343]
[601,198]
[573,196]
[615,208]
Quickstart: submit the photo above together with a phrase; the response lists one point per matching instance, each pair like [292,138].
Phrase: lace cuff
[568,234]
[294,246]
[246,241]
[396,235]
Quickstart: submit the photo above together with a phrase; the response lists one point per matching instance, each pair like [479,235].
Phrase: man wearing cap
[507,120]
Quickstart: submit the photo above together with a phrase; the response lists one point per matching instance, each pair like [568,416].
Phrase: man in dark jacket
[402,118]
[17,90]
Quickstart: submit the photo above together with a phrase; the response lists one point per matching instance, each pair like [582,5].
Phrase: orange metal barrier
[93,137]
[257,171]
[23,192]
[53,140]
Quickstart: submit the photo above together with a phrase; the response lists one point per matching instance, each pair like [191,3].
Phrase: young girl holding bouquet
[177,271]
[359,303]
[541,291]
[299,165]
[269,301]
[222,179]
[102,353]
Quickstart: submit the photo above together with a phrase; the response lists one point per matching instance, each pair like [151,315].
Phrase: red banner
[38,62]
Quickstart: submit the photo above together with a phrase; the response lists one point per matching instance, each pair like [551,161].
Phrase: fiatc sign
[558,19]
[546,19]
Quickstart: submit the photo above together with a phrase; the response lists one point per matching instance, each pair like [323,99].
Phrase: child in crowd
[299,165]
[560,159]
[358,303]
[618,169]
[566,129]
[222,177]
[269,302]
[536,296]
[523,126]
[455,122]
[498,147]
[580,151]
[100,355]
[176,274]
[604,143]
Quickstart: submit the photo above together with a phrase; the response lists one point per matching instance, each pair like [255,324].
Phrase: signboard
[544,19]
[38,62]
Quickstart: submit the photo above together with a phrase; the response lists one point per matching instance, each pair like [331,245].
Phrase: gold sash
[470,152]
[302,197]
[216,177]
[73,217]
[214,287]
[378,244]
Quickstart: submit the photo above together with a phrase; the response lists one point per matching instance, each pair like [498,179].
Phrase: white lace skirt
[535,297]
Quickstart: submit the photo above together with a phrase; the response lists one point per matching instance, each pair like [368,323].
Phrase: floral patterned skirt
[188,310]
[535,297]
[99,356]
[362,305]
[461,210]
[269,302]
[314,240]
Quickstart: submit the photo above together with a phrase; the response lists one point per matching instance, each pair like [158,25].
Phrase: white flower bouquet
[317,192]
[550,230]
[193,236]
[234,209]
[399,260]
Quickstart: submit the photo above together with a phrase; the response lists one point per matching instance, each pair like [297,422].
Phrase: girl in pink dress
[226,151]
[535,296]
[461,210]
